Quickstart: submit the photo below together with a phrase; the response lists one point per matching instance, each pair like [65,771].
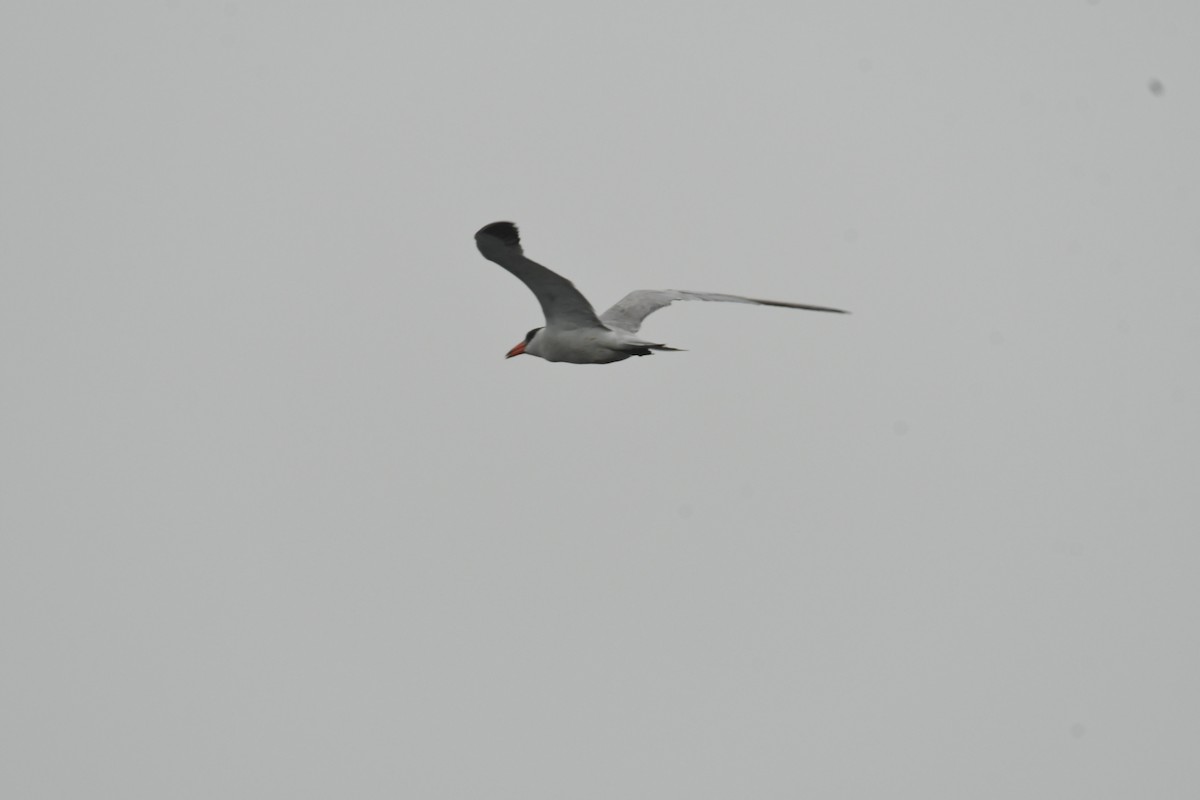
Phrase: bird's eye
[530,335]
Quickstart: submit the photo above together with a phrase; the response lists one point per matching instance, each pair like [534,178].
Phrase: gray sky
[279,520]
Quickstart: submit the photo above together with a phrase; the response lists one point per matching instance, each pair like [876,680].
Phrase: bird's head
[520,348]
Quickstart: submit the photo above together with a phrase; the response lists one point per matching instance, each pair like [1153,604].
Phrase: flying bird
[573,331]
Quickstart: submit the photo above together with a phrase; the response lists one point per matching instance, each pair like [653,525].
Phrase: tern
[573,332]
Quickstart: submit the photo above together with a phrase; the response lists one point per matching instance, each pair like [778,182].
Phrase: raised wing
[562,304]
[636,306]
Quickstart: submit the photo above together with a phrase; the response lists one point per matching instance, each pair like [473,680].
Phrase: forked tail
[648,348]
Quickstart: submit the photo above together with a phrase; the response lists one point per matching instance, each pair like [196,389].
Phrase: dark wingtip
[506,232]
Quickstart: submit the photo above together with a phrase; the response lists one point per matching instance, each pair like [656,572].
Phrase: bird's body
[592,345]
[579,346]
[573,331]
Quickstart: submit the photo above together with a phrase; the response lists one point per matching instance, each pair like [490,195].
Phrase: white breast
[580,345]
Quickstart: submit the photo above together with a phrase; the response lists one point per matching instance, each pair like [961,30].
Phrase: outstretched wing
[561,302]
[636,306]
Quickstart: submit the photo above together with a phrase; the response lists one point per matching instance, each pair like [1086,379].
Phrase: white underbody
[590,345]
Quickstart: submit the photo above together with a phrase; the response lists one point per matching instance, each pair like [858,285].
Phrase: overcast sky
[279,520]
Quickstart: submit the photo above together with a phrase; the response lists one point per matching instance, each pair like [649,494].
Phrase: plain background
[280,521]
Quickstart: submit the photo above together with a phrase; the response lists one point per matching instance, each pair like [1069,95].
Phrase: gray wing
[636,306]
[562,304]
